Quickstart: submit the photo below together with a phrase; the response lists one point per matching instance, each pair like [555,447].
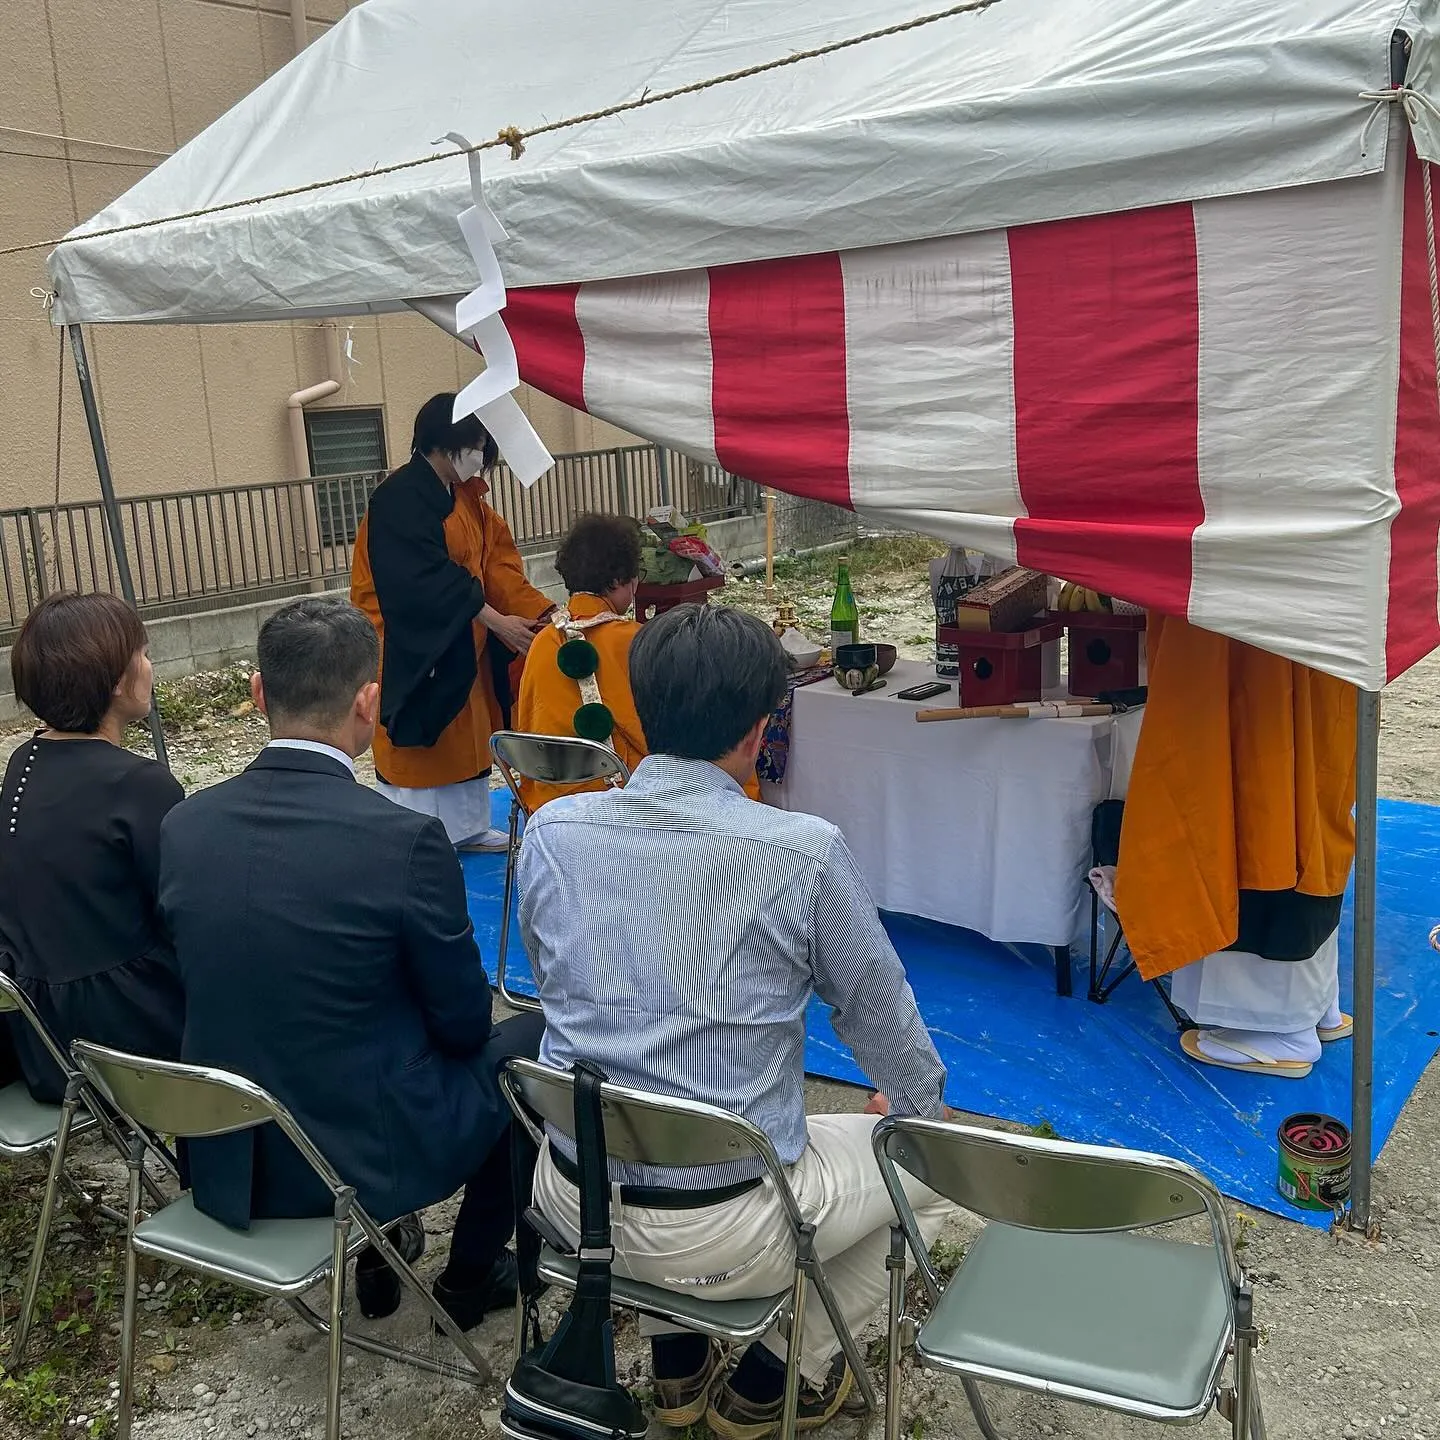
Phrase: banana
[1092,602]
[1063,602]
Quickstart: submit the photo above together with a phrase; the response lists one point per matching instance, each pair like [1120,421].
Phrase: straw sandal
[1258,1064]
[1343,1031]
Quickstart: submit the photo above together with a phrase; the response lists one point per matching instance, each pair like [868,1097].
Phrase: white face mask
[469,463]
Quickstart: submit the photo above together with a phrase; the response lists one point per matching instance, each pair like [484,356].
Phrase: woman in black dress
[80,842]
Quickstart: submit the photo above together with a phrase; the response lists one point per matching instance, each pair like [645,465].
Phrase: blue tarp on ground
[1113,1073]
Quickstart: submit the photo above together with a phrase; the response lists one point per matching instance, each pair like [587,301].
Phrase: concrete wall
[184,644]
[95,93]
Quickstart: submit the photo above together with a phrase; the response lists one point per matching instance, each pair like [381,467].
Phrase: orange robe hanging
[548,699]
[477,537]
[1244,779]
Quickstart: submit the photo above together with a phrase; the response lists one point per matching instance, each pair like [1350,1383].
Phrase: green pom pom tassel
[594,722]
[577,659]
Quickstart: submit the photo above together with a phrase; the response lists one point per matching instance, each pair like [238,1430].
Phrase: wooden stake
[769,547]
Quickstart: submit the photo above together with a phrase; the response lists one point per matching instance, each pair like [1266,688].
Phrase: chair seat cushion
[277,1255]
[1126,1316]
[736,1318]
[27,1125]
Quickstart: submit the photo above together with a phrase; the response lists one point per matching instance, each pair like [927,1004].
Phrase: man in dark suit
[326,953]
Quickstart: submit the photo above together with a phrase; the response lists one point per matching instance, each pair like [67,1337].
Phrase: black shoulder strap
[582,1348]
[593,1164]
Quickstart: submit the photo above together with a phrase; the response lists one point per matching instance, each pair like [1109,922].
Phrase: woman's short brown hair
[598,553]
[71,653]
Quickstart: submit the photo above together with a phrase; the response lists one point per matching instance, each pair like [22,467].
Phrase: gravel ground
[1352,1326]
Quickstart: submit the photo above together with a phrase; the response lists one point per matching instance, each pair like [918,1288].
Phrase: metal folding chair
[657,1130]
[551,760]
[279,1258]
[1059,1295]
[28,1127]
[1105,978]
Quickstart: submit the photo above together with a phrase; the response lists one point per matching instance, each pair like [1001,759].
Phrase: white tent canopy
[1031,110]
[886,277]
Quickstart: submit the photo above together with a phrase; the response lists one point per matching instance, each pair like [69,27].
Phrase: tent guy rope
[514,139]
[1434,274]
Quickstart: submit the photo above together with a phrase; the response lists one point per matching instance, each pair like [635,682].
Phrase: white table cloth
[979,823]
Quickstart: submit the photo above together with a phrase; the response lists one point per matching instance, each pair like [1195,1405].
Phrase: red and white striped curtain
[1225,409]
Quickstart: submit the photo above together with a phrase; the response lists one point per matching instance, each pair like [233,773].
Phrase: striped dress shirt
[678,930]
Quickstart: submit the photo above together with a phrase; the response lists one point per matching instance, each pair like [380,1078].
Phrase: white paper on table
[523,449]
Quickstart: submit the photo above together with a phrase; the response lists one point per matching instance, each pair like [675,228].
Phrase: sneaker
[732,1417]
[681,1403]
[377,1286]
[491,842]
[468,1307]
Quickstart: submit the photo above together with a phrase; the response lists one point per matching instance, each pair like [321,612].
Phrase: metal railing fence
[202,549]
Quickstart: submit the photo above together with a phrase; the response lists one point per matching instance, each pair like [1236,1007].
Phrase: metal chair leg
[895,1264]
[981,1411]
[1244,1400]
[516,1002]
[134,1161]
[42,1229]
[1094,943]
[804,1264]
[475,1370]
[343,1202]
[1257,1413]
[851,1350]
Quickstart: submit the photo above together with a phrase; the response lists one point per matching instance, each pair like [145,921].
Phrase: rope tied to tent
[1412,102]
[1415,106]
[514,139]
[1434,274]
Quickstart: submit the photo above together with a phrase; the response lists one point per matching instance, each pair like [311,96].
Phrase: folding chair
[1105,853]
[1059,1295]
[552,760]
[657,1130]
[279,1258]
[28,1127]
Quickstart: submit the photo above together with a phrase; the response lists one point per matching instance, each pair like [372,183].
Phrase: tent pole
[1362,1081]
[112,510]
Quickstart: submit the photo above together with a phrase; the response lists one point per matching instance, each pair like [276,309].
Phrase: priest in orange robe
[1236,847]
[437,572]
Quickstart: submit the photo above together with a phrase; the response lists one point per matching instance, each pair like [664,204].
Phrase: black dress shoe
[468,1306]
[377,1286]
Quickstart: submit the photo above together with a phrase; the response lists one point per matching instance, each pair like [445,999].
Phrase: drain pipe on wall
[298,27]
[307,521]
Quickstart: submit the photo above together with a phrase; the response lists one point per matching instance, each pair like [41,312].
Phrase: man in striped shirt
[678,932]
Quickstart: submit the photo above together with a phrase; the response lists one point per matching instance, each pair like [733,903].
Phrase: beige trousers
[744,1248]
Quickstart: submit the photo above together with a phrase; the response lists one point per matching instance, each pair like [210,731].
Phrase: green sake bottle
[844,613]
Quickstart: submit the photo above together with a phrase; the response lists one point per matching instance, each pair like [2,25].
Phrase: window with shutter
[348,460]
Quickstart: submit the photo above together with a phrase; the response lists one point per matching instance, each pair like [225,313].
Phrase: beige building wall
[93,93]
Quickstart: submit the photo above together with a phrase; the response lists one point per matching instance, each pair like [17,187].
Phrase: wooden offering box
[1008,601]
[1104,651]
[652,600]
[1000,667]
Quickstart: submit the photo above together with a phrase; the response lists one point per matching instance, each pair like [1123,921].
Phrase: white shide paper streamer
[478,320]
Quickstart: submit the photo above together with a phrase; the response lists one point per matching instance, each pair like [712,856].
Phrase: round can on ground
[1314,1171]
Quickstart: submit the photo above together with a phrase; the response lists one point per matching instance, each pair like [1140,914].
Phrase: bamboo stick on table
[1037,710]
